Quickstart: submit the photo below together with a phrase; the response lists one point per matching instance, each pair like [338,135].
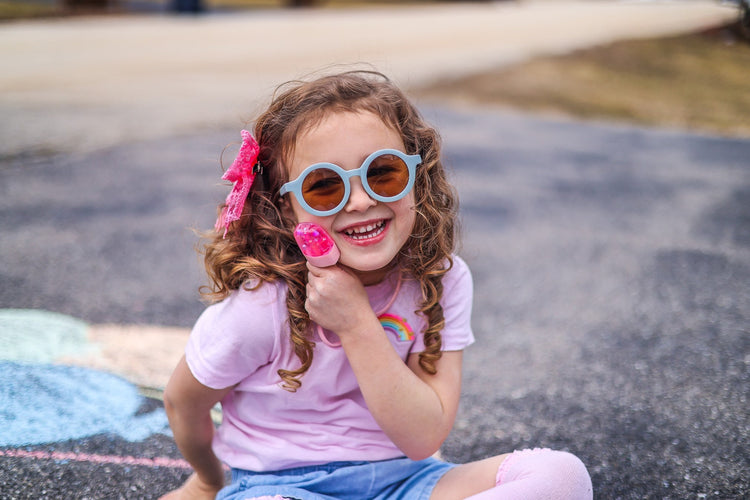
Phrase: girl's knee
[562,474]
[573,474]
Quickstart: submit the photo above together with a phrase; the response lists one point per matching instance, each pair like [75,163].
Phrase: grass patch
[696,82]
[17,9]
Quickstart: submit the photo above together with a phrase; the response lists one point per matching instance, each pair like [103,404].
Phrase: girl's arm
[416,410]
[188,405]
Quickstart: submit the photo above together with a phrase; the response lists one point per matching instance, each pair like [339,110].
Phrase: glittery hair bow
[242,173]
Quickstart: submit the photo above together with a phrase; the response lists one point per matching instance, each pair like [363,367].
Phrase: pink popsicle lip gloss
[316,244]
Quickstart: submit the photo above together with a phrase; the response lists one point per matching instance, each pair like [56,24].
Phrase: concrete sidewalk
[82,84]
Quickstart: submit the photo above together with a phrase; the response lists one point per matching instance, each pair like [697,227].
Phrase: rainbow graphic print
[397,325]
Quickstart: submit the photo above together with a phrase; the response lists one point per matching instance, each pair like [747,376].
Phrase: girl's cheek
[294,211]
[299,215]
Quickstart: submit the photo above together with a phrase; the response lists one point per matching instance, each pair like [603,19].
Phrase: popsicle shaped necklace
[316,244]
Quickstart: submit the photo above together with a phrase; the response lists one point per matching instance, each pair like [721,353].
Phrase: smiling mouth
[366,232]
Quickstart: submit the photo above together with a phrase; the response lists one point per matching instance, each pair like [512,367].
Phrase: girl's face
[369,233]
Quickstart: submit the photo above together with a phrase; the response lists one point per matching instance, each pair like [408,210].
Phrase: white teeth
[360,233]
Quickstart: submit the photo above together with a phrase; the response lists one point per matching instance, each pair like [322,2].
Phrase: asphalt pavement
[610,262]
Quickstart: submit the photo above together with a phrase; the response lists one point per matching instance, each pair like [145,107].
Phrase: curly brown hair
[260,247]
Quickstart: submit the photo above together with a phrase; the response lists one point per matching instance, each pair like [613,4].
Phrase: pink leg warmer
[540,474]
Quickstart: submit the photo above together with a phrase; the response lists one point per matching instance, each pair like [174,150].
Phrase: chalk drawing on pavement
[62,456]
[36,336]
[42,402]
[50,403]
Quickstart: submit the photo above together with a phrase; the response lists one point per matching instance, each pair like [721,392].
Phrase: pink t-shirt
[244,340]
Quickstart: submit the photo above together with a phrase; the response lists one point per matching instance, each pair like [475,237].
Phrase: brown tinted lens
[388,175]
[323,189]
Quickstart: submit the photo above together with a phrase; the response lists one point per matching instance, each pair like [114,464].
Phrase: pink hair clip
[242,173]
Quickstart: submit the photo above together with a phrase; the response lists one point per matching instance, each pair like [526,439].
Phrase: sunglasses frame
[295,186]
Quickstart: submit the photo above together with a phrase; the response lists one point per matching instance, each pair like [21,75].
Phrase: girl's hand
[336,299]
[193,489]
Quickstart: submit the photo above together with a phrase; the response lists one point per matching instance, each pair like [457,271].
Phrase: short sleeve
[457,300]
[458,295]
[235,337]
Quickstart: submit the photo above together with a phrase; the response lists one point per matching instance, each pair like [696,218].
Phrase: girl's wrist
[197,487]
[209,470]
[212,481]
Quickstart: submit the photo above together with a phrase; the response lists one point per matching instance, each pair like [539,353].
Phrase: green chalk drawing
[36,336]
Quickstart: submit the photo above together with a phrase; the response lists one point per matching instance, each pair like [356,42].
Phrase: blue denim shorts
[396,479]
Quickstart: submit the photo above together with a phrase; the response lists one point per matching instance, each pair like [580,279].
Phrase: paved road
[611,268]
[612,309]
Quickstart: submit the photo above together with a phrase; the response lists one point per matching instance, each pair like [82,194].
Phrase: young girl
[339,382]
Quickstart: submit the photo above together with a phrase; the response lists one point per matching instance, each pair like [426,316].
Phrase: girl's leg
[467,479]
[523,475]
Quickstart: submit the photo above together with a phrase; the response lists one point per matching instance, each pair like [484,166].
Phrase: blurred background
[28,8]
[600,149]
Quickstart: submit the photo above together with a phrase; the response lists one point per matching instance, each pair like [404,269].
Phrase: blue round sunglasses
[324,188]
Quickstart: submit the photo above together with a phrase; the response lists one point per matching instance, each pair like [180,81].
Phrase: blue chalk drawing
[44,403]
[50,403]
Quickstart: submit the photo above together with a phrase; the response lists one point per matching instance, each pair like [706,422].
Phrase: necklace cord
[329,343]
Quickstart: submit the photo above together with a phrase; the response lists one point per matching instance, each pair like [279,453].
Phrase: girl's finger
[314,270]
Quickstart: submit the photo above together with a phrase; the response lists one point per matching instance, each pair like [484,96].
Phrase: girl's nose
[359,200]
